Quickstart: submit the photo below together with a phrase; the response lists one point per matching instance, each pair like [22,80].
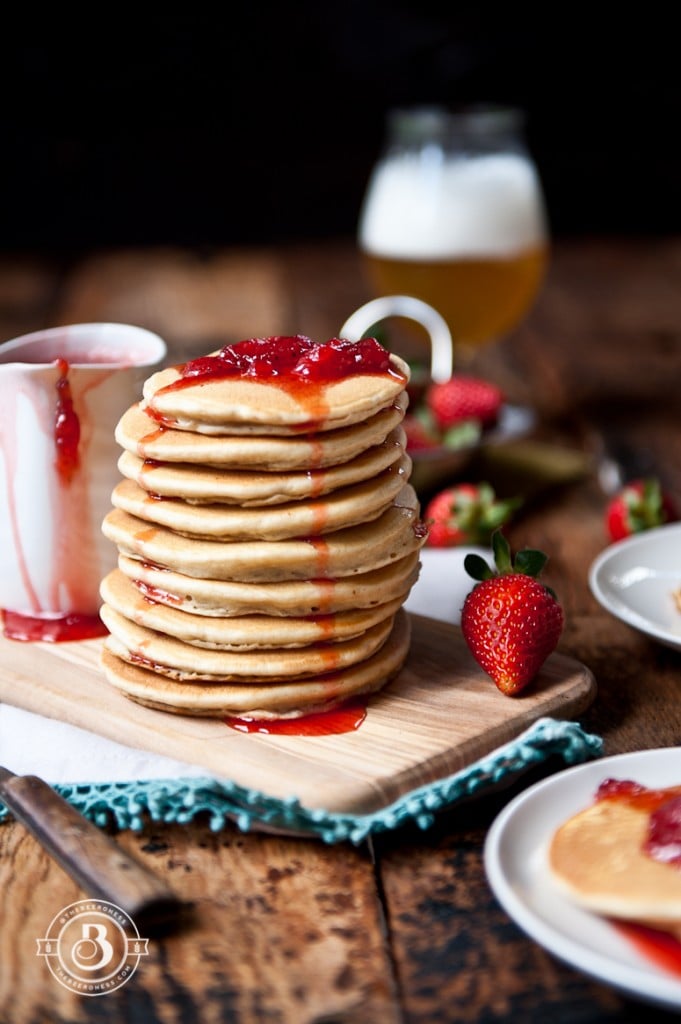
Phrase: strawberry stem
[528,561]
[502,552]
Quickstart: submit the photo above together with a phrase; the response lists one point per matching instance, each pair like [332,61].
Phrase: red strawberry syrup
[662,843]
[54,629]
[661,948]
[295,364]
[289,360]
[66,427]
[346,718]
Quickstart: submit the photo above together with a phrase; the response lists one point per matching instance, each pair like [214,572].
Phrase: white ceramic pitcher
[62,392]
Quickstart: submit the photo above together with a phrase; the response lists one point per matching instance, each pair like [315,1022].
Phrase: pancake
[208,484]
[262,701]
[346,507]
[356,549]
[294,598]
[236,405]
[241,633]
[138,432]
[187,662]
[596,858]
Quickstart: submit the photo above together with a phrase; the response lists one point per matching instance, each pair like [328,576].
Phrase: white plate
[516,867]
[443,583]
[634,579]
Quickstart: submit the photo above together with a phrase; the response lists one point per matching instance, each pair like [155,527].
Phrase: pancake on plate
[267,532]
[600,859]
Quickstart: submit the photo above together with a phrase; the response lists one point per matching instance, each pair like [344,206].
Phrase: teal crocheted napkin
[128,805]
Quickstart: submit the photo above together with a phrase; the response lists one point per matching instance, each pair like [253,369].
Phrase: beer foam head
[424,207]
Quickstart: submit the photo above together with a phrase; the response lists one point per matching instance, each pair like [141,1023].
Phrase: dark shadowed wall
[261,123]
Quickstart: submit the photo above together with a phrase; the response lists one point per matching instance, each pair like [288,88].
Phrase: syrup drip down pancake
[268,534]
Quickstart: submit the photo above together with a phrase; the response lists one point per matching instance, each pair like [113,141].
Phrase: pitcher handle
[410,308]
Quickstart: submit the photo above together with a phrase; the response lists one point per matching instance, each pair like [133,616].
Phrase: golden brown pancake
[356,549]
[140,433]
[187,662]
[348,506]
[237,405]
[596,858]
[294,597]
[241,632]
[208,484]
[289,699]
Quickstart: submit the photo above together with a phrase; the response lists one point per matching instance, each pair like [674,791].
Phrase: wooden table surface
[405,930]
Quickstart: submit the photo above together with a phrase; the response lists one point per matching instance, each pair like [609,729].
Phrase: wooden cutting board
[438,716]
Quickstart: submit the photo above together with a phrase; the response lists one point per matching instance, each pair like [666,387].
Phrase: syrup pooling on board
[346,718]
[32,628]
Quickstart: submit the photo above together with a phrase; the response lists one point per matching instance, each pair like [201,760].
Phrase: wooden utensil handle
[88,855]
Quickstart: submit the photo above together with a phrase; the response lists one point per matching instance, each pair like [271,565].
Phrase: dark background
[261,124]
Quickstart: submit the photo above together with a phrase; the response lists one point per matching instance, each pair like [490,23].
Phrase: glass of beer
[454,215]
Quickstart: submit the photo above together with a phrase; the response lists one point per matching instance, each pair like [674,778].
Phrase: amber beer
[480,299]
[466,234]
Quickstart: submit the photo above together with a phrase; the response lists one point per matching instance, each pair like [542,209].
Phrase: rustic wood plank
[282,930]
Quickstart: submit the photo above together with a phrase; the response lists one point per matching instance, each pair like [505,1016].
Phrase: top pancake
[138,432]
[236,405]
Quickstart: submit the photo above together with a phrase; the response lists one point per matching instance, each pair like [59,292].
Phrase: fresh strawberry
[420,434]
[639,505]
[466,514]
[510,621]
[464,398]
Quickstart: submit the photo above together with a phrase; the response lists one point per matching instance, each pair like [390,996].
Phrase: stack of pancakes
[268,537]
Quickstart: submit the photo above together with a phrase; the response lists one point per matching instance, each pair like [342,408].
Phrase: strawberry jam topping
[297,358]
[664,833]
[663,836]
